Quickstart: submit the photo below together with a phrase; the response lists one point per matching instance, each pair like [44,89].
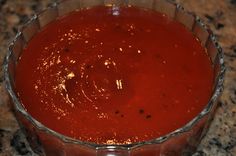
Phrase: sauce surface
[114,75]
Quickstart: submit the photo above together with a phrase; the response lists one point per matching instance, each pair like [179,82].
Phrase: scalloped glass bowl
[182,141]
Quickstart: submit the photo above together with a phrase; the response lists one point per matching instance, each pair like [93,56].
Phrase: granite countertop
[220,15]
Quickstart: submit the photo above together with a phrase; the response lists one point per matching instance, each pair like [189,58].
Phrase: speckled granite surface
[219,14]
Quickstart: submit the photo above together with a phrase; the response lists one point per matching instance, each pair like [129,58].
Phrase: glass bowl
[182,141]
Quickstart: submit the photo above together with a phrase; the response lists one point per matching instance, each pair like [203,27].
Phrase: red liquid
[114,76]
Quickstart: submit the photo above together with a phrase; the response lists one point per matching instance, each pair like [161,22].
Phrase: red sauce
[114,75]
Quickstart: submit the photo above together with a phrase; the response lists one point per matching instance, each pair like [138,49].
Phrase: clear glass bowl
[182,141]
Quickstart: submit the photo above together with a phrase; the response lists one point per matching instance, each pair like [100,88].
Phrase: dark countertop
[220,15]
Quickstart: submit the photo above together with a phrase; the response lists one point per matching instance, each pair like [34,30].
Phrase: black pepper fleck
[117,112]
[148,116]
[122,115]
[66,49]
[141,111]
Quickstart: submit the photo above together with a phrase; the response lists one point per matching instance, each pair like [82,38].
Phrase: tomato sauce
[113,75]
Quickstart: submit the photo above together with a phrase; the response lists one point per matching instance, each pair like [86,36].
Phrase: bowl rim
[218,88]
